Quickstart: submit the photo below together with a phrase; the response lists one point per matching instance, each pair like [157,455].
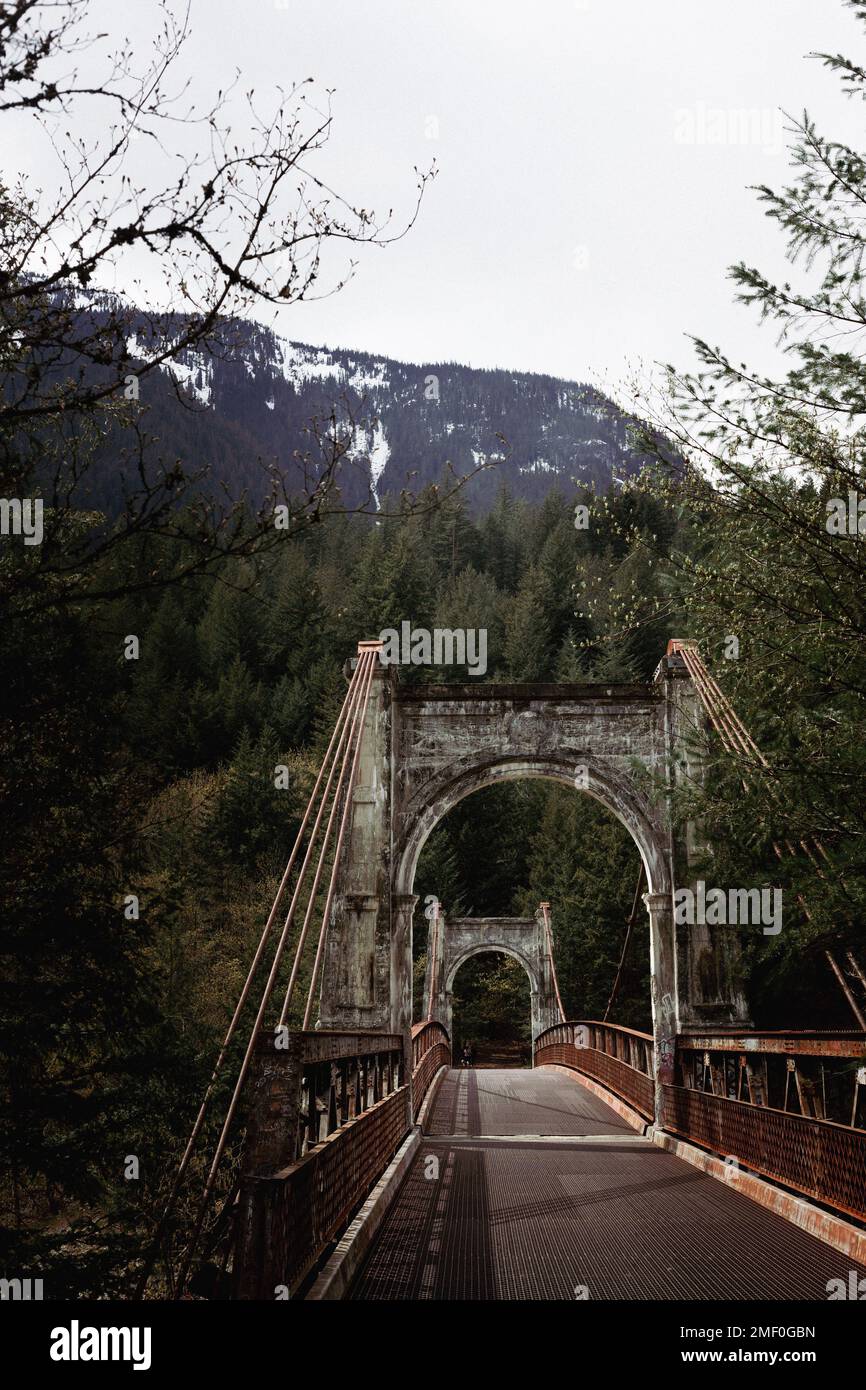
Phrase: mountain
[250,399]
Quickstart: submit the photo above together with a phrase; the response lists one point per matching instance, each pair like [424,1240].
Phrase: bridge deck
[509,1102]
[539,1218]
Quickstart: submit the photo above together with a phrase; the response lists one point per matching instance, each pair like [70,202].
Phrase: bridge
[702,1160]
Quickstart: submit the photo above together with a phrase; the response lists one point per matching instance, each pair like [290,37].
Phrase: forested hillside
[246,401]
[173,662]
[157,781]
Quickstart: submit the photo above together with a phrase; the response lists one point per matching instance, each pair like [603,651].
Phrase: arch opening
[489,995]
[546,843]
[618,795]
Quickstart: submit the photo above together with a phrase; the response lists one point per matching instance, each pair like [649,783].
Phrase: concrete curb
[341,1267]
[832,1230]
[336,1275]
[624,1111]
[427,1103]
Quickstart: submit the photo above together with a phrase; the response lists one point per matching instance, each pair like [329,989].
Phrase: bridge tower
[455,941]
[425,747]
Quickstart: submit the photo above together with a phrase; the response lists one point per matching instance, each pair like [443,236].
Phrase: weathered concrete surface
[356,974]
[427,747]
[459,939]
[449,741]
[708,958]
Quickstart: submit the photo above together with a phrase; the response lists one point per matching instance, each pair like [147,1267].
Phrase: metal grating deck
[508,1102]
[530,1219]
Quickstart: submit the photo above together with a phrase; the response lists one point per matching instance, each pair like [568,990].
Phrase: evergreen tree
[471,601]
[771,574]
[529,636]
[295,624]
[502,542]
[583,862]
[253,816]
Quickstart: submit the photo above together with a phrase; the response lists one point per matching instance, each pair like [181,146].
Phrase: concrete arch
[458,939]
[607,785]
[491,949]
[426,747]
[534,970]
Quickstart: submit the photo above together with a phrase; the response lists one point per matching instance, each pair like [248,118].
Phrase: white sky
[569,230]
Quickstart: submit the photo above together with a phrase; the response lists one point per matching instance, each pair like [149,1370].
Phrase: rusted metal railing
[820,1159]
[431,1049]
[330,1111]
[790,1106]
[338,1087]
[815,1074]
[621,1059]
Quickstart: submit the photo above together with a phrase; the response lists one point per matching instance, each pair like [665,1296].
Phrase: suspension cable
[545,912]
[628,931]
[339,731]
[736,739]
[311,902]
[433,949]
[347,803]
[350,728]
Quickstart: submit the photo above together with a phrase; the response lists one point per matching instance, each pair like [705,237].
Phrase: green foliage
[584,863]
[491,1002]
[155,777]
[759,561]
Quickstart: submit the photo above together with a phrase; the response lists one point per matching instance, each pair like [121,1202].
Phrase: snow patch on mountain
[191,369]
[371,443]
[299,364]
[380,452]
[266,389]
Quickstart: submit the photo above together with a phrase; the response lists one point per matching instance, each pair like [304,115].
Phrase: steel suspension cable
[245,991]
[738,741]
[347,803]
[358,678]
[366,666]
[628,931]
[433,948]
[545,912]
[715,703]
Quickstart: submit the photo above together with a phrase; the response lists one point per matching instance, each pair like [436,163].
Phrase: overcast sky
[589,195]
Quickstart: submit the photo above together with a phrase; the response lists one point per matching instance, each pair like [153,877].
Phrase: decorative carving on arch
[436,796]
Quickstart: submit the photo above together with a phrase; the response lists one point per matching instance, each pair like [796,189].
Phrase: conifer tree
[529,636]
